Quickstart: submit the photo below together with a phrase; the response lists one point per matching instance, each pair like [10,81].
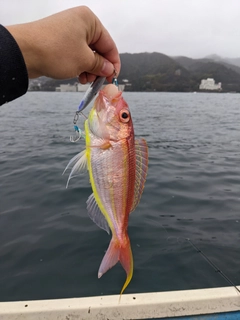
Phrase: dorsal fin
[141,150]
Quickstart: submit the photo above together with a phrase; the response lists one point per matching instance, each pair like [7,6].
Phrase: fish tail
[118,251]
[126,260]
[111,257]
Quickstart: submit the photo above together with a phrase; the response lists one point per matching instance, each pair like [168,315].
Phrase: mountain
[191,64]
[234,61]
[159,72]
[213,57]
[154,72]
[213,67]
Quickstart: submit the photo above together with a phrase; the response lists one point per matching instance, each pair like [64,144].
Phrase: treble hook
[78,134]
[77,130]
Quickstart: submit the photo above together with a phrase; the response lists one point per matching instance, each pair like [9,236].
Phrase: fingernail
[107,68]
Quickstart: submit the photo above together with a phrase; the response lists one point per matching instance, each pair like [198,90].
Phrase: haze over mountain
[217,58]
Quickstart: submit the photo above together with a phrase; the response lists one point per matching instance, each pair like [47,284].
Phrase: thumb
[100,66]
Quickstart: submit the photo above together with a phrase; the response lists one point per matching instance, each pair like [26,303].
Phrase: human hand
[71,43]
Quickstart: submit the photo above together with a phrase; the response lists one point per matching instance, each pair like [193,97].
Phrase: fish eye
[124,115]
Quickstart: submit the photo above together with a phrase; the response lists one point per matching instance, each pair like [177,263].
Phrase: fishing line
[212,264]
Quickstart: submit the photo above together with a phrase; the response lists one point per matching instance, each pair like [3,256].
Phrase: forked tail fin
[118,251]
[111,257]
[126,260]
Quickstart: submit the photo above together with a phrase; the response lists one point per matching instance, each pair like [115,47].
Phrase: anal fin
[96,215]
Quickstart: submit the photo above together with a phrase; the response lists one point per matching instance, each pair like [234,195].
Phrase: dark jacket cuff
[13,71]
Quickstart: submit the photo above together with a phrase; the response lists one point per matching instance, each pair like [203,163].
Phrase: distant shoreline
[193,92]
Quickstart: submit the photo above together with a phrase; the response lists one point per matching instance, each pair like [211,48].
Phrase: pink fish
[117,164]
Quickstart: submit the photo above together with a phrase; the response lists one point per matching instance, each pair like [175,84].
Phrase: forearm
[68,44]
[13,71]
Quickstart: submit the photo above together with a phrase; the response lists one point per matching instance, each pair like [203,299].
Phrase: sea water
[49,248]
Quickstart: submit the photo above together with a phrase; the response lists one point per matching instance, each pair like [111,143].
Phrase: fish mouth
[109,95]
[110,91]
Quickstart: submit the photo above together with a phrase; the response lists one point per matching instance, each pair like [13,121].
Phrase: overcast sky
[193,28]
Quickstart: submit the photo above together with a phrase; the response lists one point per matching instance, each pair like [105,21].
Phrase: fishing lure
[91,92]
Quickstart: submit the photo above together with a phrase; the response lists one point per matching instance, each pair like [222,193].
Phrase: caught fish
[117,164]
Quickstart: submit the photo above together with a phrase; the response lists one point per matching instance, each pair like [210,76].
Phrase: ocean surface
[49,248]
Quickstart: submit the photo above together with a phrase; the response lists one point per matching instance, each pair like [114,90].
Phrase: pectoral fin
[96,215]
[141,150]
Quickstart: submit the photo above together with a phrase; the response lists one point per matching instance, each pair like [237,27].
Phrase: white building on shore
[209,84]
[83,87]
[67,88]
[78,87]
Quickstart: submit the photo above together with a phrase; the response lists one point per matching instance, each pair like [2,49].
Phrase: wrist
[23,36]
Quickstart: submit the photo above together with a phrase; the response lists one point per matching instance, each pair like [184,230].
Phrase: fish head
[110,117]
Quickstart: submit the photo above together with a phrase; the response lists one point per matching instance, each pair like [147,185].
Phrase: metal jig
[91,92]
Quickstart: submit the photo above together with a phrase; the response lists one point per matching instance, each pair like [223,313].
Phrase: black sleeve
[13,71]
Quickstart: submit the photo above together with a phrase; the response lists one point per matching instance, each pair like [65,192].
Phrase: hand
[72,43]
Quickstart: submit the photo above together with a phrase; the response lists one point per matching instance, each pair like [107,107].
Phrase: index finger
[105,46]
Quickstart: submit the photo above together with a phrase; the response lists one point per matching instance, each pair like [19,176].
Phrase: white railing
[131,306]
